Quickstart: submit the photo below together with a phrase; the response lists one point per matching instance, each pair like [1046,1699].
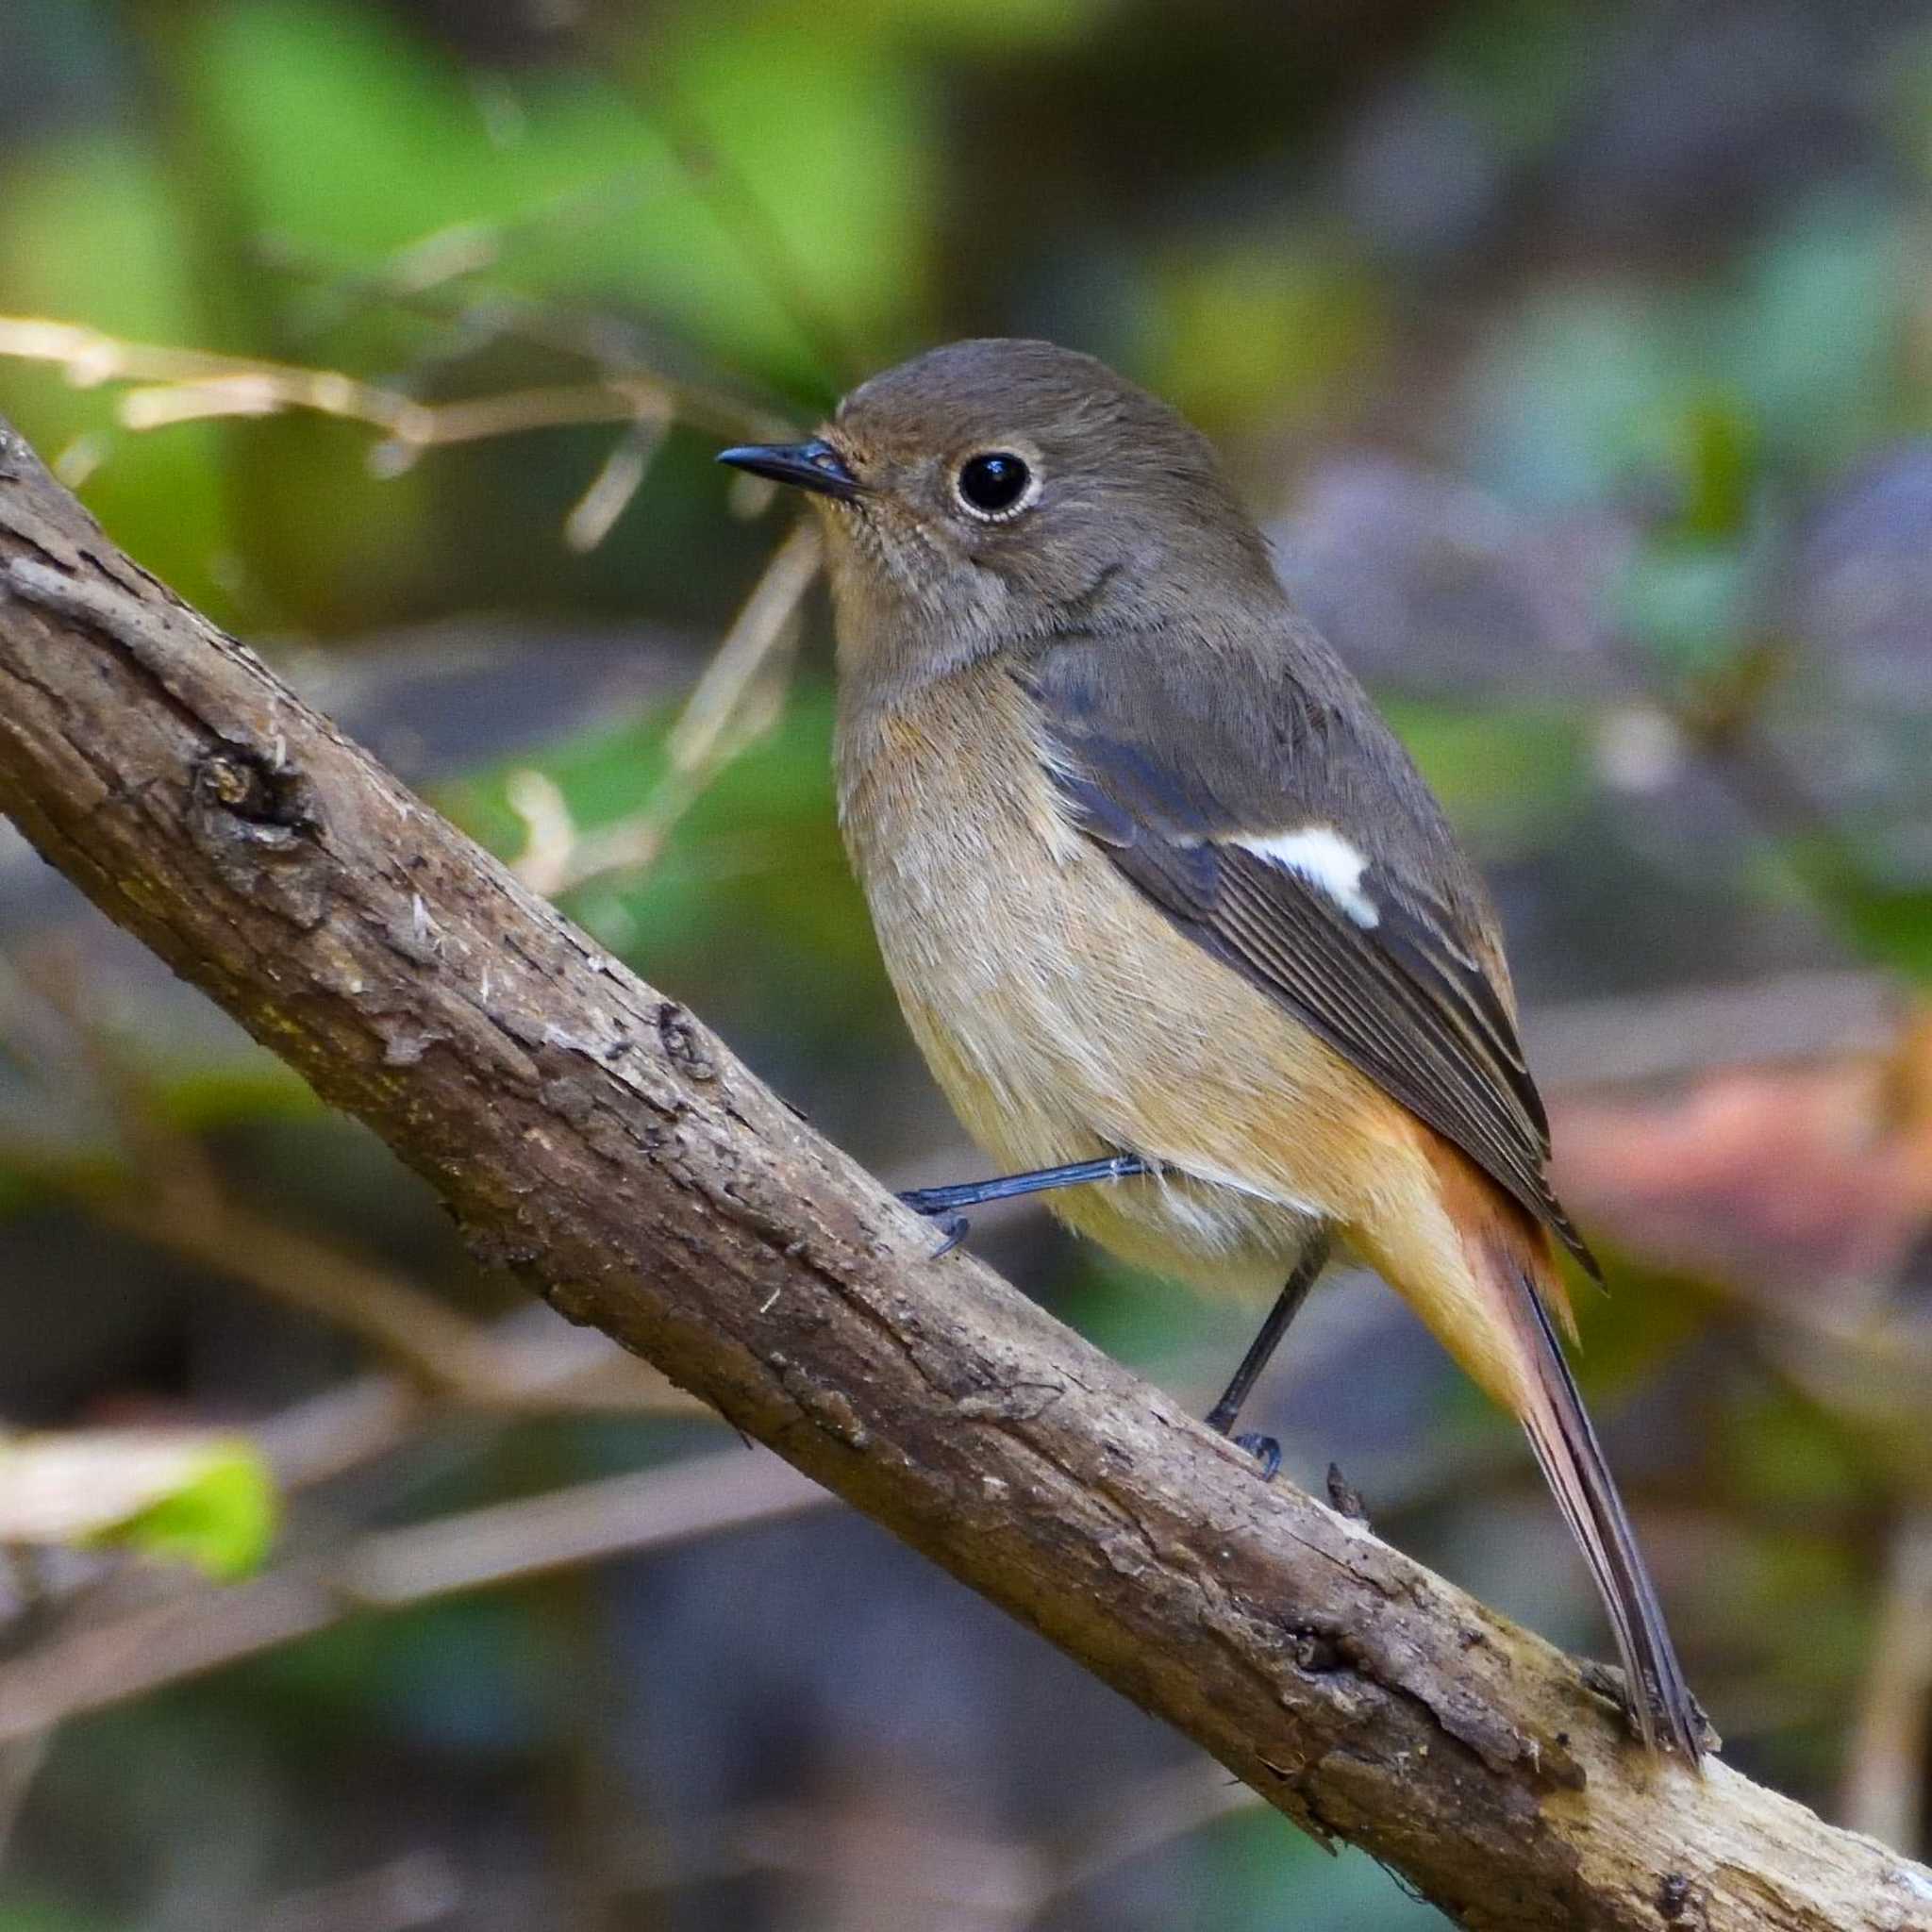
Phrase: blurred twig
[545,1367]
[455,252]
[1885,1776]
[955,1876]
[1135,1823]
[165,1191]
[418,1889]
[480,313]
[190,385]
[597,511]
[734,703]
[168,386]
[87,1667]
[443,1353]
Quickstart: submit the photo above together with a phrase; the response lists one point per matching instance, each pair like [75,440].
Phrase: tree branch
[592,1135]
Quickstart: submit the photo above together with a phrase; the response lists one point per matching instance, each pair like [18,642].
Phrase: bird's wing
[1289,836]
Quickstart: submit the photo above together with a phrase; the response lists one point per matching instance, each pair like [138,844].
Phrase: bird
[1185,938]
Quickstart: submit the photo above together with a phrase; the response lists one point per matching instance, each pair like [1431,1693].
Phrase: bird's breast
[1062,1015]
[979,888]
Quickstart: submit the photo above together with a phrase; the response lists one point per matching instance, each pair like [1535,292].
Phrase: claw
[951,1223]
[1265,1449]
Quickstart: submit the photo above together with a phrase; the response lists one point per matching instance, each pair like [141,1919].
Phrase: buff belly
[1065,1018]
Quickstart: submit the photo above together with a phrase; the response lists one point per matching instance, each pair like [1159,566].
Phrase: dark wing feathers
[1407,999]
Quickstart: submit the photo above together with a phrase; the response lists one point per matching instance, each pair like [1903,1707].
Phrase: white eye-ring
[995,484]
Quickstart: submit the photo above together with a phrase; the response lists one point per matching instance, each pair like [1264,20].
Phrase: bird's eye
[995,484]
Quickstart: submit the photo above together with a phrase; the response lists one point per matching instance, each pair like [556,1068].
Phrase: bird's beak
[814,465]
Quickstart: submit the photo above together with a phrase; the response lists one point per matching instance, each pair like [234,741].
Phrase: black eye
[994,483]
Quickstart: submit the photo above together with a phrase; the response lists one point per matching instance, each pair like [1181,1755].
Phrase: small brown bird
[1183,933]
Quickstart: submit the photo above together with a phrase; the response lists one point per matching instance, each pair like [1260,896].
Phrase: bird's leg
[1265,1449]
[942,1204]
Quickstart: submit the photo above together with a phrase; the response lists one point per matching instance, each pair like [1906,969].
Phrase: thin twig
[1885,1775]
[164,1190]
[1174,1805]
[928,1867]
[195,385]
[545,1366]
[417,1889]
[608,344]
[457,251]
[595,512]
[734,704]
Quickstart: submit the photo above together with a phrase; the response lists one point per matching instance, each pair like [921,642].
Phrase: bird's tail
[1566,1446]
[1499,1325]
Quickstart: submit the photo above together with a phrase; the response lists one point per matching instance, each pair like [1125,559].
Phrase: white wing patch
[1326,861]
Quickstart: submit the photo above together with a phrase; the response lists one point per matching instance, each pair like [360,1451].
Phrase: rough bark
[593,1136]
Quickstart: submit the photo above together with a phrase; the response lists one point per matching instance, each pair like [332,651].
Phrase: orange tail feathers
[1511,1288]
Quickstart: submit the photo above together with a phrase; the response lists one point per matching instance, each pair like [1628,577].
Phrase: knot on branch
[256,816]
[683,1041]
[1673,1897]
[265,795]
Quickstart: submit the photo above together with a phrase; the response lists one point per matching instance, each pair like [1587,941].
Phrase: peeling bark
[594,1137]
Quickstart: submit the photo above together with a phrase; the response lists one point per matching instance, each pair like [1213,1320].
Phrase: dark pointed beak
[814,465]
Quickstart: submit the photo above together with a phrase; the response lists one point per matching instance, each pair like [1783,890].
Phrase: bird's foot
[1265,1449]
[937,1209]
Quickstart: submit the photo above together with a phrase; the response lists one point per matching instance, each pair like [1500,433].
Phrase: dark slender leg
[942,1204]
[1286,1305]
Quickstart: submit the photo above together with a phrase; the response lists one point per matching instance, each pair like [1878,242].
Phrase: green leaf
[1892,926]
[222,1520]
[201,1499]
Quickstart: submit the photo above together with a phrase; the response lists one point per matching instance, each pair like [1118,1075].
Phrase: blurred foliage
[750,858]
[210,1503]
[222,1518]
[1578,356]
